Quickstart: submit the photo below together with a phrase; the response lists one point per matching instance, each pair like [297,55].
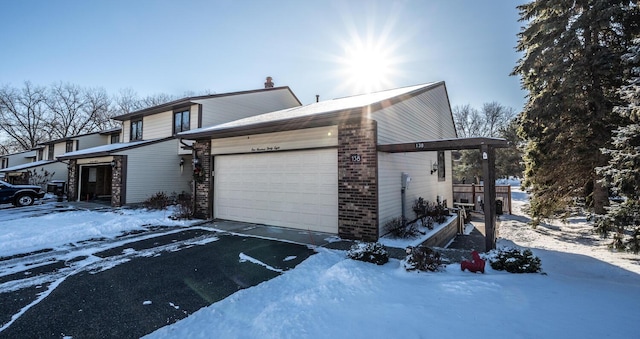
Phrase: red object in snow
[475,265]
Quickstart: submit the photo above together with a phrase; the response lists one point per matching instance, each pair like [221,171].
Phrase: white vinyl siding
[423,117]
[155,168]
[157,126]
[297,189]
[229,108]
[423,183]
[126,131]
[290,140]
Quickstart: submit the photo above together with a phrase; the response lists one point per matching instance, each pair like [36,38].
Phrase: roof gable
[313,115]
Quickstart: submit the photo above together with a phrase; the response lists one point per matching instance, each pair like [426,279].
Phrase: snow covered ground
[33,228]
[587,291]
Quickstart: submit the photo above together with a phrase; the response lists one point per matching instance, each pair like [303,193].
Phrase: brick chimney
[268,83]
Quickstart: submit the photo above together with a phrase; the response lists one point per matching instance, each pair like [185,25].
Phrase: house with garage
[149,157]
[319,167]
[42,164]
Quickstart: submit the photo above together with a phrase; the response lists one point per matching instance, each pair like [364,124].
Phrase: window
[40,154]
[136,130]
[441,166]
[69,146]
[5,162]
[180,121]
[115,138]
[50,154]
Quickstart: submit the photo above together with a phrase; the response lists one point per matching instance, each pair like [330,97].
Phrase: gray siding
[92,140]
[423,183]
[156,168]
[424,117]
[224,109]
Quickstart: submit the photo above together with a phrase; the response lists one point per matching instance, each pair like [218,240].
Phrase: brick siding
[358,181]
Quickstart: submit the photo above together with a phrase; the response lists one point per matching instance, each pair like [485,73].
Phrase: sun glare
[369,60]
[368,68]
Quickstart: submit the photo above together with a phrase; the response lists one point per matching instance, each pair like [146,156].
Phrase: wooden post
[489,175]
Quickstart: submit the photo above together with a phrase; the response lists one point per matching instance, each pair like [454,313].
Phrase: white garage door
[291,189]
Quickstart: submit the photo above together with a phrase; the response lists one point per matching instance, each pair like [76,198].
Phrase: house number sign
[356,158]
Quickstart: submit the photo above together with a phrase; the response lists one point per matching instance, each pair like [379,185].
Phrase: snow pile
[57,229]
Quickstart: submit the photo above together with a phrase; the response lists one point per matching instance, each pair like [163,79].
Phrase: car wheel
[24,200]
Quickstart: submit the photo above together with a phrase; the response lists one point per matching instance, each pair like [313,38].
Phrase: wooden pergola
[487,147]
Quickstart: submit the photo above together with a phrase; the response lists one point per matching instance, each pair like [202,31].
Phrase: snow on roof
[26,166]
[317,108]
[105,148]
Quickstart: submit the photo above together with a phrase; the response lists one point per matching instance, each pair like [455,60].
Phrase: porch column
[489,176]
[72,185]
[118,180]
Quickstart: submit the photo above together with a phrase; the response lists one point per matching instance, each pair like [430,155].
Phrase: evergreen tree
[623,170]
[572,68]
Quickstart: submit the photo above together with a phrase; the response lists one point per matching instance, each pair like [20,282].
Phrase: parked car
[19,195]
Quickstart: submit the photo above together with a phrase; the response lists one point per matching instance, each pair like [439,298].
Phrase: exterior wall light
[113,164]
[434,168]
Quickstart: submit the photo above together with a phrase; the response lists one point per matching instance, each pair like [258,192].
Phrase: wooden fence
[474,194]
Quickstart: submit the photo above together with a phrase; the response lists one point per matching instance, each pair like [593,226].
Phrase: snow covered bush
[372,252]
[399,229]
[422,258]
[514,260]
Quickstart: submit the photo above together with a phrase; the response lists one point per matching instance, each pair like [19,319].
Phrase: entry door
[296,189]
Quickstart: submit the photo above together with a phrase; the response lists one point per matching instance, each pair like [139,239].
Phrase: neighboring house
[15,159]
[45,165]
[318,167]
[150,158]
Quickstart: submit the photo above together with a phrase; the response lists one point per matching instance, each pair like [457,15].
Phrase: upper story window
[181,121]
[50,154]
[115,138]
[136,130]
[40,154]
[69,146]
[5,162]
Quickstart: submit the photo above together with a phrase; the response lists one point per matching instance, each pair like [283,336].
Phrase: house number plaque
[356,158]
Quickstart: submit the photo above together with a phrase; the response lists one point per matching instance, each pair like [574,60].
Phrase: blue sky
[172,47]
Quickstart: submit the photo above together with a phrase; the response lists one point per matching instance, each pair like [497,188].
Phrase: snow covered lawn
[586,292]
[42,227]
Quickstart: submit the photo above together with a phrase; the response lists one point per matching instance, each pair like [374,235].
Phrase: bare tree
[469,122]
[496,118]
[24,115]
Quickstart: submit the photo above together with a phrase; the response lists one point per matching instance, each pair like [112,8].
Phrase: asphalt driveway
[134,289]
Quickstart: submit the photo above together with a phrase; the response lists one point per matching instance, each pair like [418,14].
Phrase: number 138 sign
[356,158]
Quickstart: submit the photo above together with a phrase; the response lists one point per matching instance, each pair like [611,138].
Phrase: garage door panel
[290,189]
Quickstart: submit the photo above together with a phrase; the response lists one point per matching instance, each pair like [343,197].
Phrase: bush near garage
[158,201]
[369,252]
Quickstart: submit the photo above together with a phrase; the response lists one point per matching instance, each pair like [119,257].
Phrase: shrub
[184,206]
[399,229]
[422,258]
[428,212]
[514,260]
[158,201]
[369,252]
